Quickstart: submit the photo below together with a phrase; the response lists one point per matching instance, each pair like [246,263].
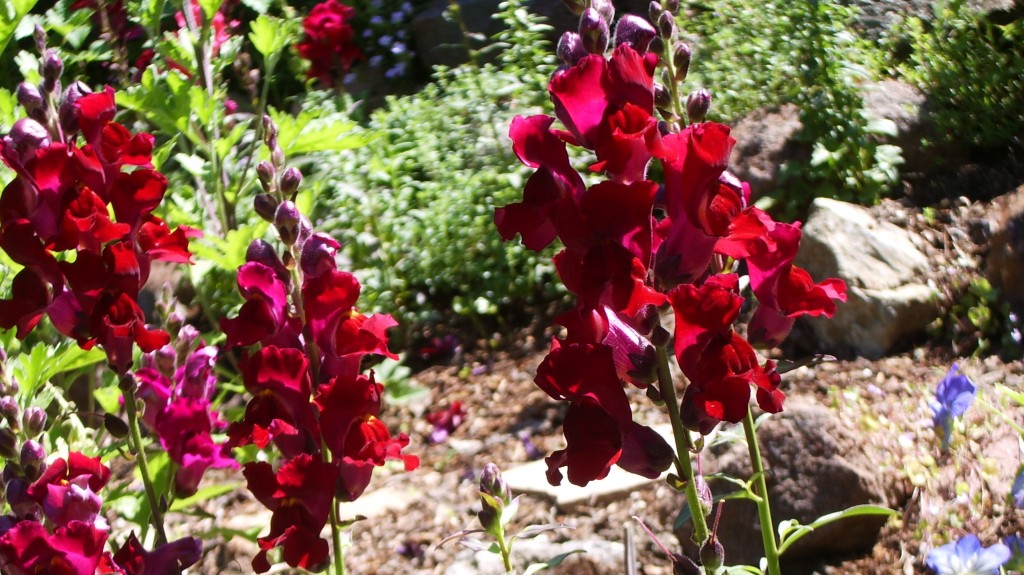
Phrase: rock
[904,106]
[765,140]
[875,17]
[889,301]
[815,465]
[1005,263]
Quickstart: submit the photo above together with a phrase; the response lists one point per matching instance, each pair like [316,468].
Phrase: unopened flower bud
[654,10]
[704,494]
[683,565]
[681,61]
[318,255]
[115,425]
[276,155]
[697,105]
[68,113]
[39,35]
[666,25]
[286,220]
[27,136]
[32,459]
[605,8]
[575,6]
[33,421]
[8,443]
[265,205]
[269,132]
[635,32]
[266,172]
[11,412]
[493,484]
[593,32]
[712,555]
[29,97]
[290,180]
[262,252]
[53,67]
[570,48]
[662,97]
[672,6]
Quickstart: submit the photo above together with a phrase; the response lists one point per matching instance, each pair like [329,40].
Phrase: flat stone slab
[531,479]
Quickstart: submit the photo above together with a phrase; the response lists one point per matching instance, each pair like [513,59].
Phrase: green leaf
[791,531]
[11,13]
[556,560]
[210,8]
[204,494]
[265,35]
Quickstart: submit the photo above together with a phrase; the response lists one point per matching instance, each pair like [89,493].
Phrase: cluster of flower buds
[310,397]
[496,503]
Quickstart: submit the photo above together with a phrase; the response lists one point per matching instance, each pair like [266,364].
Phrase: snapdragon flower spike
[59,205]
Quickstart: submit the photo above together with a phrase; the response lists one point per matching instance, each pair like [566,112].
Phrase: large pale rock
[889,301]
[815,465]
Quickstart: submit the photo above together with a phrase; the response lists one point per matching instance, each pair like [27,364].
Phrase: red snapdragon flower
[329,43]
[299,494]
[167,559]
[72,549]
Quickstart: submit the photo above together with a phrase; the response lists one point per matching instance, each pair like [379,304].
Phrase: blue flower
[1016,545]
[1017,491]
[968,557]
[953,396]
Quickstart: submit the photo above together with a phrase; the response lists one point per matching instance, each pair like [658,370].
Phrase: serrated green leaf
[210,8]
[70,357]
[265,35]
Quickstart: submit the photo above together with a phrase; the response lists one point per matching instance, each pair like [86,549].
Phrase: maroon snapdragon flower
[299,494]
[167,559]
[329,43]
[67,490]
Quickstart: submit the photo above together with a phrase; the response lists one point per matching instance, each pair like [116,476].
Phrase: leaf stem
[684,467]
[135,444]
[764,512]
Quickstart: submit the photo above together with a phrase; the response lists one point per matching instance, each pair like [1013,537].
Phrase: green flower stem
[505,549]
[156,516]
[684,467]
[339,554]
[764,511]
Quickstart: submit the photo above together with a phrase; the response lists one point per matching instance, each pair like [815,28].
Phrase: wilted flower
[968,557]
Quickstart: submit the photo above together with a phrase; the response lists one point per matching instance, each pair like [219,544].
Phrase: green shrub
[414,208]
[973,72]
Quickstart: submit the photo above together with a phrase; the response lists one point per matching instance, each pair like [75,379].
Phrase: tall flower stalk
[635,249]
[304,366]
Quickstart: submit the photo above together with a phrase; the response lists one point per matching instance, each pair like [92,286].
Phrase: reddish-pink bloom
[446,421]
[599,427]
[265,310]
[67,490]
[280,410]
[329,43]
[607,106]
[72,549]
[299,494]
[357,439]
[167,559]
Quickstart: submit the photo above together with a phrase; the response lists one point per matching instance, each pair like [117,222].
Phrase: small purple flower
[953,396]
[968,557]
[1016,545]
[1017,491]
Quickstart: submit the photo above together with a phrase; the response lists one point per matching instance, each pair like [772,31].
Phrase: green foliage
[973,71]
[755,54]
[980,323]
[415,206]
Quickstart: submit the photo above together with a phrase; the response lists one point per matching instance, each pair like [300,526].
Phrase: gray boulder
[815,465]
[889,301]
[765,140]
